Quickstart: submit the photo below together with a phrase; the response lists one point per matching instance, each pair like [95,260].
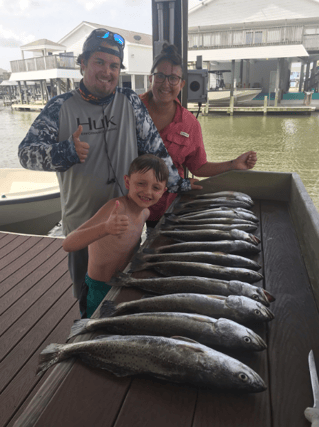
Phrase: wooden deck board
[30,289]
[36,307]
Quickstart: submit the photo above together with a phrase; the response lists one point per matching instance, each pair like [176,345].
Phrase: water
[13,127]
[283,143]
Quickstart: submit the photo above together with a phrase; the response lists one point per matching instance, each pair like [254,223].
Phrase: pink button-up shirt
[184,142]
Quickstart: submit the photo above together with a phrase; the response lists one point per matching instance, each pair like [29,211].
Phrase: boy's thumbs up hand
[117,223]
[81,147]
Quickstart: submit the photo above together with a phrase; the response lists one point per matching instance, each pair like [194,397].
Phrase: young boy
[114,231]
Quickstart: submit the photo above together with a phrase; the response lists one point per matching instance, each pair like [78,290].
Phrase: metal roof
[261,52]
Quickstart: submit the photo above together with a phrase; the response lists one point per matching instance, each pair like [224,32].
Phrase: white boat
[29,201]
[222,97]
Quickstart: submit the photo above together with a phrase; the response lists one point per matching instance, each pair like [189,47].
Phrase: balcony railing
[43,63]
[254,37]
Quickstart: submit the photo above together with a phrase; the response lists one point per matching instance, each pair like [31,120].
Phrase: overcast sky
[23,21]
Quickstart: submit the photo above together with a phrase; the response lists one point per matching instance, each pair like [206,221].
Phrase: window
[249,37]
[258,37]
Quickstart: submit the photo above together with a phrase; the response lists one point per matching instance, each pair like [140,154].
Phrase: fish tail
[172,219]
[121,279]
[108,309]
[51,355]
[138,264]
[79,327]
[149,251]
[154,233]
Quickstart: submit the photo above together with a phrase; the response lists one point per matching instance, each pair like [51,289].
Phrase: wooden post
[302,73]
[306,88]
[26,92]
[231,105]
[265,105]
[232,77]
[20,92]
[277,83]
[42,91]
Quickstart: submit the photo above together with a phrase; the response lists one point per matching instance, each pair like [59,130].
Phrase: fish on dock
[200,201]
[193,284]
[234,212]
[206,235]
[174,219]
[237,308]
[224,227]
[221,333]
[233,194]
[174,359]
[201,269]
[219,258]
[227,246]
[222,201]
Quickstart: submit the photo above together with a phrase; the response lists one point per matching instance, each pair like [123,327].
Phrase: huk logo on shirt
[90,124]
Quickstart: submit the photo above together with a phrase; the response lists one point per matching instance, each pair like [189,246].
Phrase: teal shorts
[93,293]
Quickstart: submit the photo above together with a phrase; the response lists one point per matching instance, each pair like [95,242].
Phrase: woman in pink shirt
[179,129]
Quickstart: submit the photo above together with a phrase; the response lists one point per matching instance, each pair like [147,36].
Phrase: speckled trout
[227,246]
[221,201]
[175,219]
[211,226]
[234,194]
[219,258]
[195,285]
[237,308]
[234,212]
[221,333]
[180,268]
[173,359]
[206,235]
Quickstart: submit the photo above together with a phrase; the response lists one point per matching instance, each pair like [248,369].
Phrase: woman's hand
[245,161]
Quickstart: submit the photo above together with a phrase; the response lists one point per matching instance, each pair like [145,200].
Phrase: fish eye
[257,312]
[255,296]
[247,339]
[243,377]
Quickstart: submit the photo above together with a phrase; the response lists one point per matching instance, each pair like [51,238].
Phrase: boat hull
[241,96]
[30,201]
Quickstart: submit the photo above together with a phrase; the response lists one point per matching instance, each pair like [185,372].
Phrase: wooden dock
[249,109]
[27,107]
[76,395]
[37,307]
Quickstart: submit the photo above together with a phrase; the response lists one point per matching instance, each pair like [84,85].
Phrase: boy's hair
[146,162]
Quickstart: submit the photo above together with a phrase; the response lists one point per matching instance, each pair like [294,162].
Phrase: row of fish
[199,306]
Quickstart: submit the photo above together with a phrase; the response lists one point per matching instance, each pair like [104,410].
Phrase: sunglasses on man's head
[106,34]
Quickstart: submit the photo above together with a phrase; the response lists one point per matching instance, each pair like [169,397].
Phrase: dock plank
[16,301]
[12,246]
[28,263]
[13,400]
[36,307]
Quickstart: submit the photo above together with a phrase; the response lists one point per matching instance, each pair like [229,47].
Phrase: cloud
[19,7]
[9,38]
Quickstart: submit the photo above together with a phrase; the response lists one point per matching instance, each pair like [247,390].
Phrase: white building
[260,39]
[55,70]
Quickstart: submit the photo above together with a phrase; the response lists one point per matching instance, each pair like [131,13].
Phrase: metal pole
[171,21]
[184,33]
